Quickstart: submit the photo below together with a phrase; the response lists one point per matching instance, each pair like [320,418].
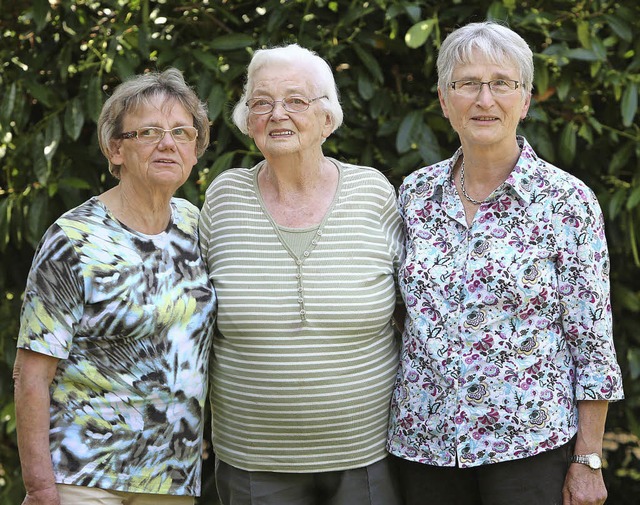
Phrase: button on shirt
[509,320]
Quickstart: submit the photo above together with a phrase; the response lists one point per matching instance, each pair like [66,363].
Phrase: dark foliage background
[59,59]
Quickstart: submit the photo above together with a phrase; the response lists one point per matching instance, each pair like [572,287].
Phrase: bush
[61,58]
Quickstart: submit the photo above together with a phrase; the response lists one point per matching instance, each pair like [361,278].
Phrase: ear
[115,152]
[327,128]
[443,103]
[525,106]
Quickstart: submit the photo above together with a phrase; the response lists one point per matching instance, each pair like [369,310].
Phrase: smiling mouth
[485,118]
[283,133]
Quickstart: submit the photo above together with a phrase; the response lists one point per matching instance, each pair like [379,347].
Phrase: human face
[485,120]
[282,133]
[165,165]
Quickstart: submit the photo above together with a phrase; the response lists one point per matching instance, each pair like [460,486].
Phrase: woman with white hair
[303,252]
[508,361]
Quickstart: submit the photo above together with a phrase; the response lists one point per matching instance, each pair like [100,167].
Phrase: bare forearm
[592,415]
[32,417]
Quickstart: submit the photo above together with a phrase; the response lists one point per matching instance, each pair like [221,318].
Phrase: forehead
[278,78]
[157,108]
[483,66]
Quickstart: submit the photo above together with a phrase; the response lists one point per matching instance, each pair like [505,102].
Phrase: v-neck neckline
[320,227]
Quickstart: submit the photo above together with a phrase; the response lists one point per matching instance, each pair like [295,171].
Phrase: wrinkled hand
[47,496]
[583,486]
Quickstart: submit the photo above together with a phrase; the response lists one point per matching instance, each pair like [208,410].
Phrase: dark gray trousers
[537,480]
[371,485]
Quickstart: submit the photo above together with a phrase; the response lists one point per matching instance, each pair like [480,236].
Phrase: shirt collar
[519,179]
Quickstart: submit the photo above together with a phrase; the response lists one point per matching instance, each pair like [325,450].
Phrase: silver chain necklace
[464,191]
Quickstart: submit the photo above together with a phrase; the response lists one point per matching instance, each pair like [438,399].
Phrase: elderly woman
[303,250]
[111,371]
[508,359]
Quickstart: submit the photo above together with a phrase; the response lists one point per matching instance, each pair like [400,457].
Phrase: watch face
[594,461]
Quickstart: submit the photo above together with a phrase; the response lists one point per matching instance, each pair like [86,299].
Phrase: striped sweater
[305,356]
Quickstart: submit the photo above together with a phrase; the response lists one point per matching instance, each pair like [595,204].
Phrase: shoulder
[235,178]
[561,185]
[425,180]
[364,177]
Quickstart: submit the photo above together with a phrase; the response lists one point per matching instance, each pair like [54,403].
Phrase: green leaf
[217,100]
[418,34]
[40,11]
[582,30]
[94,98]
[8,102]
[616,203]
[581,54]
[5,219]
[366,87]
[52,136]
[40,164]
[73,118]
[621,157]
[37,218]
[231,41]
[541,78]
[620,27]
[407,133]
[74,182]
[568,144]
[634,198]
[629,103]
[370,63]
[207,58]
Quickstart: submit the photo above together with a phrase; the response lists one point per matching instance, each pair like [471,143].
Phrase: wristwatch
[593,461]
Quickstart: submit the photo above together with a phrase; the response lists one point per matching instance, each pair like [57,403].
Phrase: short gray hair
[321,80]
[495,41]
[139,90]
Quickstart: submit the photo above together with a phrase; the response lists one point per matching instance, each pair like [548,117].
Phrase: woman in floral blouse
[508,361]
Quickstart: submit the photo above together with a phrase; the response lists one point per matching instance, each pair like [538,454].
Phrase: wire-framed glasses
[154,134]
[290,104]
[499,87]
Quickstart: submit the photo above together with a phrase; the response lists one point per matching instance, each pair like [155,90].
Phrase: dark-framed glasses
[498,87]
[290,104]
[153,134]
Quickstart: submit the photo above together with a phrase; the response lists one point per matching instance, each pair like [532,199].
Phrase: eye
[296,100]
[148,132]
[500,83]
[260,102]
[179,131]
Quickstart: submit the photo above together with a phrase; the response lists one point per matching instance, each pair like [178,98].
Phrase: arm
[582,485]
[33,373]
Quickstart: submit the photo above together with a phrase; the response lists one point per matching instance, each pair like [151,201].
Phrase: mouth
[164,161]
[485,119]
[281,133]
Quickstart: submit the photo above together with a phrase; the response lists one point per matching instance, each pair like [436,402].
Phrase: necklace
[464,191]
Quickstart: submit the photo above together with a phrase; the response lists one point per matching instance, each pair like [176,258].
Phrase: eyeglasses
[290,104]
[498,87]
[153,134]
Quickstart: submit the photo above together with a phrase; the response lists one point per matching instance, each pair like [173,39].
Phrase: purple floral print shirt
[508,320]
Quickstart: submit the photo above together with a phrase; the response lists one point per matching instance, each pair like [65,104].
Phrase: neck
[489,166]
[297,175]
[144,211]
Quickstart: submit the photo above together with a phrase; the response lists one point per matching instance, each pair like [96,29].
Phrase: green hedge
[59,59]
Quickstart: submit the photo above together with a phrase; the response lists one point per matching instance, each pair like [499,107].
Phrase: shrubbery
[60,58]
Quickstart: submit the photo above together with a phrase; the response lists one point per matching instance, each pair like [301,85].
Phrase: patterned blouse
[130,317]
[509,320]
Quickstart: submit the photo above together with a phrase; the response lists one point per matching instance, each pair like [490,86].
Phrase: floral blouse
[508,320]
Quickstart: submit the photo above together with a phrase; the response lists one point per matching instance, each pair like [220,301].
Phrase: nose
[485,96]
[278,109]
[167,141]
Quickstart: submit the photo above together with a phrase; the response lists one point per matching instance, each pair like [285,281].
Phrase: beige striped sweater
[305,356]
